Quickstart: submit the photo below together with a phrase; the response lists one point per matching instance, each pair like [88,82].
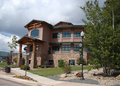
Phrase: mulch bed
[25,78]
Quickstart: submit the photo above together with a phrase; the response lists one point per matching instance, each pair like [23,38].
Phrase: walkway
[49,82]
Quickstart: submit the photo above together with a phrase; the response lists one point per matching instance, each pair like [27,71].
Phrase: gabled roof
[63,23]
[35,22]
[26,39]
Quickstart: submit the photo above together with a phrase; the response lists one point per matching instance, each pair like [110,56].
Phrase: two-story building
[46,42]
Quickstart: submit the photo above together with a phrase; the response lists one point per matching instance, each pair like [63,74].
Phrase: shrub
[66,68]
[61,63]
[79,60]
[45,64]
[25,67]
[23,61]
[42,66]
[36,66]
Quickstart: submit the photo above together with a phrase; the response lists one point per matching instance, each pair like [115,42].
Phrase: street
[5,82]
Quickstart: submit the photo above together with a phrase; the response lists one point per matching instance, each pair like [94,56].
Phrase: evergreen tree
[102,33]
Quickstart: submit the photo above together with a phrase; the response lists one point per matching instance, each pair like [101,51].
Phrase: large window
[66,34]
[76,47]
[77,34]
[66,47]
[35,33]
[72,62]
[55,48]
[56,35]
[51,62]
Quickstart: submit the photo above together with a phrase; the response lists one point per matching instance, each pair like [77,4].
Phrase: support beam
[19,60]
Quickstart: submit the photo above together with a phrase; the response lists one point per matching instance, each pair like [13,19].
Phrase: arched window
[35,33]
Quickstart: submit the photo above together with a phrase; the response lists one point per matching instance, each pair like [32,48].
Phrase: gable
[61,23]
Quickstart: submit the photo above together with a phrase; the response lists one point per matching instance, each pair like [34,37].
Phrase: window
[51,62]
[56,35]
[66,34]
[55,48]
[76,47]
[66,47]
[36,47]
[35,33]
[31,48]
[77,34]
[71,62]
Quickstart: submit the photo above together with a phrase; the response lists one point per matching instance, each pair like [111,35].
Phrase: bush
[25,67]
[61,63]
[42,66]
[36,66]
[66,68]
[79,61]
[45,64]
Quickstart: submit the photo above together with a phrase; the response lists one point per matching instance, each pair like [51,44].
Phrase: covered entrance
[29,41]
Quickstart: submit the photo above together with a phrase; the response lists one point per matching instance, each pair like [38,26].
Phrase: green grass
[54,71]
[3,64]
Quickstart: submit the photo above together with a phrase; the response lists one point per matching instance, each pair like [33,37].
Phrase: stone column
[33,56]
[19,59]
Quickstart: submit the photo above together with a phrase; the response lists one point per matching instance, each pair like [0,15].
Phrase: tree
[102,33]
[61,63]
[12,45]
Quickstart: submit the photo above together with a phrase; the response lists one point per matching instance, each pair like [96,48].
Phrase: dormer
[61,23]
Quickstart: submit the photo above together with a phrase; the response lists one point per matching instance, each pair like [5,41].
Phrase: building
[3,56]
[46,42]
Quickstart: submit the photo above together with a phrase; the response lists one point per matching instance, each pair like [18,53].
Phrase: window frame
[77,34]
[57,48]
[35,33]
[52,62]
[66,47]
[66,34]
[55,35]
[72,61]
[76,47]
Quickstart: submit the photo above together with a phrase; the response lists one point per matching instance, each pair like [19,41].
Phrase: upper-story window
[55,35]
[35,33]
[77,34]
[66,47]
[66,34]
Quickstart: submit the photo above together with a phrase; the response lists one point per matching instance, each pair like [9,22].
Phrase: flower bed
[25,77]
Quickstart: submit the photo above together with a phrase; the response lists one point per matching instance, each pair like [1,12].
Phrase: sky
[15,14]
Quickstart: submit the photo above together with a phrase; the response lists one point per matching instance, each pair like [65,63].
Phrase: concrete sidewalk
[49,82]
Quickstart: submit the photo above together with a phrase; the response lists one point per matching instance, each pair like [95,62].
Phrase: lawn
[53,71]
[3,64]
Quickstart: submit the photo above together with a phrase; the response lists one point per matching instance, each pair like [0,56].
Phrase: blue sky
[15,14]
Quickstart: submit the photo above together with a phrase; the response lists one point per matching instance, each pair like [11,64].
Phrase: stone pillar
[33,56]
[19,59]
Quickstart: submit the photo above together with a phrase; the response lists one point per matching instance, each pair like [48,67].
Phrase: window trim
[75,34]
[66,48]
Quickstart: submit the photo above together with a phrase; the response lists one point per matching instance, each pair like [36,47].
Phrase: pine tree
[102,33]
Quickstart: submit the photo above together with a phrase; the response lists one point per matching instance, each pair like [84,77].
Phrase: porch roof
[63,42]
[28,40]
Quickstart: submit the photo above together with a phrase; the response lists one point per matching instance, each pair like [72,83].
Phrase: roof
[36,21]
[62,42]
[2,53]
[26,39]
[66,26]
[64,23]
